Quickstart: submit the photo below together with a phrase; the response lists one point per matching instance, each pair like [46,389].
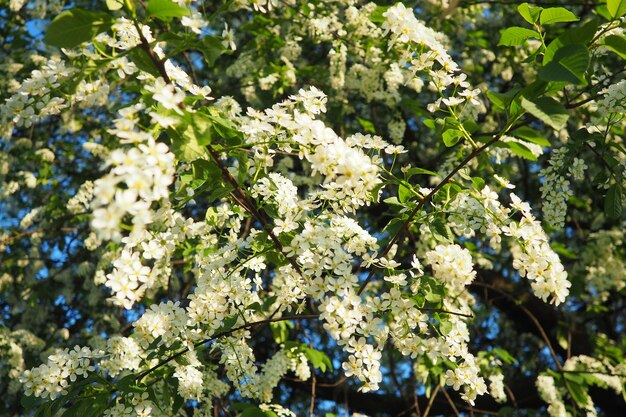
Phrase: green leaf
[529,13]
[504,355]
[318,359]
[143,61]
[440,230]
[478,183]
[616,8]
[579,35]
[419,171]
[547,110]
[252,411]
[569,64]
[563,250]
[531,135]
[516,35]
[404,192]
[577,391]
[211,47]
[115,4]
[75,26]
[502,100]
[366,125]
[165,9]
[613,202]
[280,331]
[451,137]
[377,14]
[518,149]
[616,44]
[445,327]
[557,15]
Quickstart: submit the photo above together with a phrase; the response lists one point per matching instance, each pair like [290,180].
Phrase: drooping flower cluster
[139,176]
[427,53]
[555,189]
[550,394]
[537,261]
[51,379]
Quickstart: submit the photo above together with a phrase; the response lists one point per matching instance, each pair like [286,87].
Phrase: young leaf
[516,35]
[115,4]
[75,26]
[165,9]
[529,13]
[616,8]
[318,359]
[451,137]
[557,15]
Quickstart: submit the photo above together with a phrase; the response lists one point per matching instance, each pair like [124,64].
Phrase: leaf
[211,47]
[502,100]
[445,327]
[75,26]
[115,4]
[613,202]
[451,137]
[516,35]
[616,44]
[366,125]
[440,230]
[518,149]
[377,14]
[529,13]
[419,171]
[165,9]
[616,8]
[579,35]
[280,331]
[143,61]
[557,15]
[318,359]
[404,192]
[547,110]
[504,355]
[577,391]
[478,183]
[569,64]
[228,323]
[531,135]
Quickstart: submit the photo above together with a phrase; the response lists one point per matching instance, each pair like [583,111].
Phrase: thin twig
[456,412]
[431,400]
[530,315]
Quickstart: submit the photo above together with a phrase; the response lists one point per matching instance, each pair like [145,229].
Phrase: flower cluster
[350,175]
[36,97]
[537,261]
[145,171]
[430,56]
[555,189]
[550,394]
[452,265]
[51,379]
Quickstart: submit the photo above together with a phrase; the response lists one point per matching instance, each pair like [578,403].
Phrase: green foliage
[75,26]
[165,10]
